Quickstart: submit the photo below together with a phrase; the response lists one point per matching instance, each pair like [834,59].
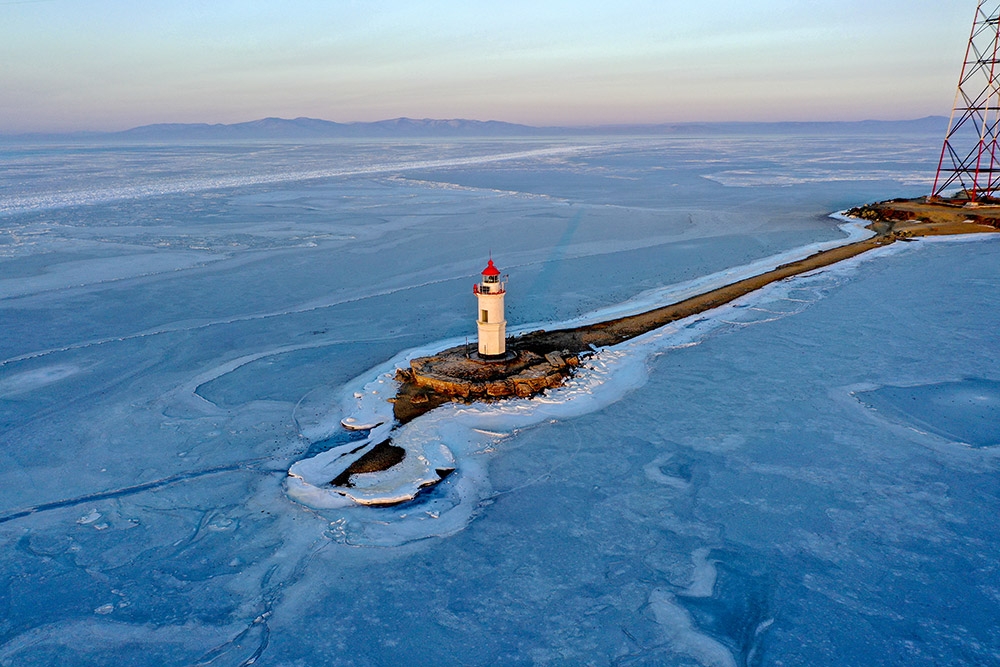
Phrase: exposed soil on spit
[929,217]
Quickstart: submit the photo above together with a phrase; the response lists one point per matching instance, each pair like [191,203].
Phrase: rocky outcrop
[452,375]
[527,374]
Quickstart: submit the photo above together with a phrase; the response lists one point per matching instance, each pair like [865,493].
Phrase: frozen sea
[806,477]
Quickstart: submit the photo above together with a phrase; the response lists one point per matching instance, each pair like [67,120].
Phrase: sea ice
[600,380]
[966,411]
[714,493]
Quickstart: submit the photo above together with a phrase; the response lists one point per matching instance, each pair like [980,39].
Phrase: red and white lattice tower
[970,158]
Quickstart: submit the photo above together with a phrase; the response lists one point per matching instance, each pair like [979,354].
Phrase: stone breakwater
[542,360]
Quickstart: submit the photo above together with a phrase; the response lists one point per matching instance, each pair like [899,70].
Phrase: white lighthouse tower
[491,323]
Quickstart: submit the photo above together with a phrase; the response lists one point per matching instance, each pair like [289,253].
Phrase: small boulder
[555,360]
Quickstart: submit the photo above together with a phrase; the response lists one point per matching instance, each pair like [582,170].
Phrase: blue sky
[106,65]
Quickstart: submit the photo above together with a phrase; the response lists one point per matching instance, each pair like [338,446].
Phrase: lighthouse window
[484,315]
[491,279]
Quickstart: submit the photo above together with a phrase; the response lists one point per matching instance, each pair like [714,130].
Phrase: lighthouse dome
[491,270]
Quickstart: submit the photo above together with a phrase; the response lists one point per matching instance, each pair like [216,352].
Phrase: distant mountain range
[281,129]
[313,128]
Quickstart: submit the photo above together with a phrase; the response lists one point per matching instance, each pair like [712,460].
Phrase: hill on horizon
[314,128]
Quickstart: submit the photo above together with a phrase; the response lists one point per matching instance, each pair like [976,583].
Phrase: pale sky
[116,64]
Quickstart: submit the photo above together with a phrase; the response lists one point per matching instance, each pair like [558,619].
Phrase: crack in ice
[126,491]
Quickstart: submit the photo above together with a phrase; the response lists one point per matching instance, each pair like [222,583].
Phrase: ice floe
[682,635]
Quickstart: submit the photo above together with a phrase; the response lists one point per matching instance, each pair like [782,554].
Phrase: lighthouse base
[509,355]
[455,375]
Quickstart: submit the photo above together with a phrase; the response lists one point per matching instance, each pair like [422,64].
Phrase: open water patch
[965,411]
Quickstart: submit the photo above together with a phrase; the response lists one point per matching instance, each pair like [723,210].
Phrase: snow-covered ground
[804,477]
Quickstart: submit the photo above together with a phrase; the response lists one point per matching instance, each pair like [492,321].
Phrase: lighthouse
[491,324]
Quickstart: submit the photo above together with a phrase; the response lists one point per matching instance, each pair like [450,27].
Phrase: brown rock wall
[451,375]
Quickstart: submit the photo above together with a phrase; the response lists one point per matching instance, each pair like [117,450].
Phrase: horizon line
[570,126]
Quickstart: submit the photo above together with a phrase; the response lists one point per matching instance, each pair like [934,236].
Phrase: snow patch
[654,473]
[26,381]
[703,575]
[89,518]
[736,178]
[680,632]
